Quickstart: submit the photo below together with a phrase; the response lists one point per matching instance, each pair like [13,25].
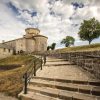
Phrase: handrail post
[35,68]
[25,88]
[41,62]
[44,59]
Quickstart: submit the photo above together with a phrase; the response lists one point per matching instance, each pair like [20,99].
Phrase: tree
[48,48]
[89,30]
[53,45]
[68,41]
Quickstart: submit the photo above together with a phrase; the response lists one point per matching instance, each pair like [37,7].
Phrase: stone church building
[32,41]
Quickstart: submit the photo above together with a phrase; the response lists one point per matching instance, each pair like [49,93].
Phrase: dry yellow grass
[11,81]
[91,47]
[15,59]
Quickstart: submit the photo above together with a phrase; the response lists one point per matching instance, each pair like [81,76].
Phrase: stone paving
[69,71]
[40,87]
[53,69]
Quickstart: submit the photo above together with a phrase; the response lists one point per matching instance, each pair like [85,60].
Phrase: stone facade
[41,43]
[32,41]
[5,51]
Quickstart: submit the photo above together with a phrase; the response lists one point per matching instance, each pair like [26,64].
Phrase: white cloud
[52,19]
[31,5]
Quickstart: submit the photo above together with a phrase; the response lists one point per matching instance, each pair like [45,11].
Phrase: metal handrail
[32,71]
[29,74]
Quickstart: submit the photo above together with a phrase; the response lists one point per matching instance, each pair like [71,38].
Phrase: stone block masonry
[87,60]
[5,51]
[31,42]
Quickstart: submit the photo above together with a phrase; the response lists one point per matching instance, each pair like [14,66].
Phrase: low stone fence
[88,60]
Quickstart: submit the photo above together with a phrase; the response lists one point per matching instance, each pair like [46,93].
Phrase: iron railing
[35,64]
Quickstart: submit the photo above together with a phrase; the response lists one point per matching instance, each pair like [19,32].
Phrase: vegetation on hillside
[52,46]
[11,82]
[48,48]
[68,41]
[90,47]
[15,59]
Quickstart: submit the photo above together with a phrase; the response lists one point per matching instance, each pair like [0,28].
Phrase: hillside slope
[91,47]
[11,82]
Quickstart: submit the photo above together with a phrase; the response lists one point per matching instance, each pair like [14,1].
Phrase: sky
[56,19]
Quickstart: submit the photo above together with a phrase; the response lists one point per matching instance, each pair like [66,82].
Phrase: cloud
[55,18]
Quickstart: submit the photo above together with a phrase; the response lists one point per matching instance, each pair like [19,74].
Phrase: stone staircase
[60,80]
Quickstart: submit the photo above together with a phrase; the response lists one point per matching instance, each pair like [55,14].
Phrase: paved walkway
[47,87]
[56,68]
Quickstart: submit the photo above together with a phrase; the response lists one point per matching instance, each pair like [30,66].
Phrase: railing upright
[35,68]
[25,87]
[28,76]
[44,59]
[41,62]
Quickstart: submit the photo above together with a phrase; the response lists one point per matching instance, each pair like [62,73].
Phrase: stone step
[59,63]
[36,96]
[83,82]
[86,89]
[57,60]
[61,94]
[63,64]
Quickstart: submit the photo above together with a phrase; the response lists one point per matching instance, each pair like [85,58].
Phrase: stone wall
[20,45]
[40,43]
[31,42]
[33,31]
[5,52]
[87,60]
[11,43]
[30,45]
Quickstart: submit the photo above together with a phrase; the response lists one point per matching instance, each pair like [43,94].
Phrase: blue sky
[55,18]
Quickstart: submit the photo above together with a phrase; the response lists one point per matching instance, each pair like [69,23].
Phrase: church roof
[40,36]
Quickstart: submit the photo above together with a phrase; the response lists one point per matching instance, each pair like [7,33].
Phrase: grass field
[91,47]
[15,59]
[11,82]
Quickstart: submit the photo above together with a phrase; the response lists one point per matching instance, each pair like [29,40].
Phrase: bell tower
[30,32]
